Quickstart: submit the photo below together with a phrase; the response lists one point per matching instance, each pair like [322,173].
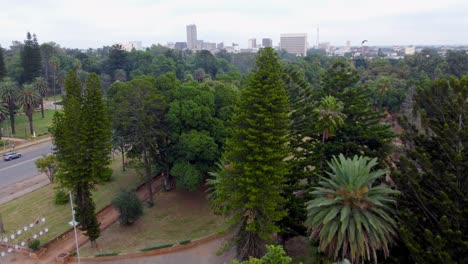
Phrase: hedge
[106,254]
[156,247]
[183,242]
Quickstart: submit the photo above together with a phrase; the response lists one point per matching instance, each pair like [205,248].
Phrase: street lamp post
[74,224]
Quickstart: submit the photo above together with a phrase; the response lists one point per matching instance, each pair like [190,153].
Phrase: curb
[27,144]
[161,251]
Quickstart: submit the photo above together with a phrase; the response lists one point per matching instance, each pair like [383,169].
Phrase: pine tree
[250,190]
[30,59]
[432,176]
[82,139]
[3,71]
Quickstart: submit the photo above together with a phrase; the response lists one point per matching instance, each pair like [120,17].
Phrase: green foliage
[48,164]
[187,176]
[251,189]
[137,112]
[8,93]
[155,247]
[61,197]
[28,98]
[432,175]
[34,244]
[82,139]
[350,217]
[3,71]
[206,61]
[30,59]
[274,255]
[330,116]
[129,206]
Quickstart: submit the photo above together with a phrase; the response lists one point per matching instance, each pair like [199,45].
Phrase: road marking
[21,163]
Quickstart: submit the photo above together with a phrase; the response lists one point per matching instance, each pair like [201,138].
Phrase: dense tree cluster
[290,145]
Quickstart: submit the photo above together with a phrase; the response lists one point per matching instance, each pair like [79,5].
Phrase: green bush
[106,254]
[187,176]
[61,197]
[183,242]
[34,244]
[156,247]
[129,206]
[107,177]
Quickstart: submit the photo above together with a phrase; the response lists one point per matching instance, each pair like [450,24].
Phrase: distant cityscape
[295,44]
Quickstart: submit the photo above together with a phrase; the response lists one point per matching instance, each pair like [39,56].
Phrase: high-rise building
[192,37]
[209,46]
[267,42]
[220,46]
[180,45]
[129,46]
[252,44]
[294,43]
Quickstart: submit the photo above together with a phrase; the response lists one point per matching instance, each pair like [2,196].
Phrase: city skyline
[77,25]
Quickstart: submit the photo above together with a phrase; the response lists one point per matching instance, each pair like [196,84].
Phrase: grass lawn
[175,216]
[40,203]
[41,125]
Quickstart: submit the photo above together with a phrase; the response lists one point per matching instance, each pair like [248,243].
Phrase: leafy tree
[30,59]
[330,116]
[274,255]
[351,218]
[48,165]
[83,165]
[457,62]
[48,50]
[41,86]
[129,206]
[120,75]
[29,98]
[117,59]
[250,191]
[3,71]
[137,112]
[432,176]
[8,92]
[206,61]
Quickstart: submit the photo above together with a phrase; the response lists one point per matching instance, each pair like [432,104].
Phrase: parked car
[11,155]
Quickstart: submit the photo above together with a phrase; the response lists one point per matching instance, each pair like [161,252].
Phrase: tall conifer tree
[250,190]
[82,139]
[30,59]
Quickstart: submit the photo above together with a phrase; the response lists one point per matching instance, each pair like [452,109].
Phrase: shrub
[34,244]
[183,242]
[61,197]
[129,207]
[107,176]
[156,247]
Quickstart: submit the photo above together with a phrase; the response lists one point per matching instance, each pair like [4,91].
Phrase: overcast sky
[95,23]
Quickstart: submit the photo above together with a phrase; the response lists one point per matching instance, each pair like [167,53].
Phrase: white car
[11,156]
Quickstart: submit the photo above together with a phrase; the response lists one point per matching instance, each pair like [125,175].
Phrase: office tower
[252,44]
[294,43]
[220,46]
[192,37]
[180,45]
[267,42]
[209,46]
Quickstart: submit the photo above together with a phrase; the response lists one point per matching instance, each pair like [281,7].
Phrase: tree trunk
[2,230]
[122,150]
[30,117]
[42,107]
[12,118]
[148,177]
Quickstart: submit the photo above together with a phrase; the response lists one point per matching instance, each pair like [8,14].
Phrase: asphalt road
[23,168]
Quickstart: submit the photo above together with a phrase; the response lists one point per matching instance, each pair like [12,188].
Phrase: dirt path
[66,243]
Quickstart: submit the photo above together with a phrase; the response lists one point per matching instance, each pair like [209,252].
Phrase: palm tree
[330,116]
[3,114]
[8,92]
[350,216]
[41,86]
[29,98]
